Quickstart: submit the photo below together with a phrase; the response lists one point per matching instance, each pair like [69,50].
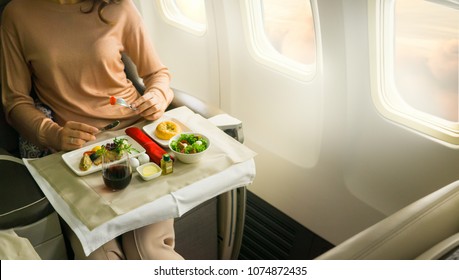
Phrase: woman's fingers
[75,135]
[151,105]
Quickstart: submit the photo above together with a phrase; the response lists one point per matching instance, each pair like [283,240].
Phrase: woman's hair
[100,4]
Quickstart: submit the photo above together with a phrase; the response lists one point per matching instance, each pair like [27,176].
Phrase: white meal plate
[149,129]
[72,159]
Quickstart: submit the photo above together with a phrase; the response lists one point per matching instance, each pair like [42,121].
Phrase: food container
[191,157]
[149,171]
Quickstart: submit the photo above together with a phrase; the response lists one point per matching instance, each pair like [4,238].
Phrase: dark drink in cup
[117,176]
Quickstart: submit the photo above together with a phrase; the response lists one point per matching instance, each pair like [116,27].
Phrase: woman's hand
[75,134]
[151,105]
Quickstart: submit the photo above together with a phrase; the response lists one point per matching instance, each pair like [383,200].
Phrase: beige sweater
[73,61]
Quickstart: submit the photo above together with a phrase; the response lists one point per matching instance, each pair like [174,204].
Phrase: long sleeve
[74,72]
[142,52]
[19,106]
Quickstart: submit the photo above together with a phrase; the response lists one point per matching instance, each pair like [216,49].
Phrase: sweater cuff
[168,95]
[49,134]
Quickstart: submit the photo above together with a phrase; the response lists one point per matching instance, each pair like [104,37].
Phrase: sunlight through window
[425,56]
[282,33]
[189,15]
[416,65]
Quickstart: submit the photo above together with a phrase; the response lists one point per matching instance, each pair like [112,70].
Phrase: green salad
[189,144]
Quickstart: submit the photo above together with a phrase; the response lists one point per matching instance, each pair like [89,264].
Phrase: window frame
[384,91]
[173,16]
[264,52]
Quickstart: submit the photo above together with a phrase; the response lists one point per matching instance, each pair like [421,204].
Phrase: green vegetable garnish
[122,145]
[119,146]
[189,144]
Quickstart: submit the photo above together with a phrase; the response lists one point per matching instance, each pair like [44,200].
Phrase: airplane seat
[427,229]
[25,209]
[23,206]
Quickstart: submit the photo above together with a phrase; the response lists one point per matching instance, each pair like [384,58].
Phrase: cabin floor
[269,234]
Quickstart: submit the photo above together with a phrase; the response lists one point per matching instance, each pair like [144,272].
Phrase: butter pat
[149,171]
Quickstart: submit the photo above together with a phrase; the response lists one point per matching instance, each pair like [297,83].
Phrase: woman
[68,53]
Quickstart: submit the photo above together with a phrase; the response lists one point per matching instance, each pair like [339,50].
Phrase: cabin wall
[387,165]
[191,59]
[326,157]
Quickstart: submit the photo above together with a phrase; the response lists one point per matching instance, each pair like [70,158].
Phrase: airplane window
[420,61]
[283,34]
[425,57]
[189,15]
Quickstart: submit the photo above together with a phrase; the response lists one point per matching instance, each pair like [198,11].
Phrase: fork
[121,101]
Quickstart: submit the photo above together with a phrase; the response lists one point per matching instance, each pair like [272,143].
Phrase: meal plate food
[189,147]
[73,158]
[150,130]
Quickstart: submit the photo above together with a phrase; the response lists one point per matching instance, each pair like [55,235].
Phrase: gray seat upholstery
[23,202]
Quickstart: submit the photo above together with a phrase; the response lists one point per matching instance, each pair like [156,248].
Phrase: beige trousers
[152,242]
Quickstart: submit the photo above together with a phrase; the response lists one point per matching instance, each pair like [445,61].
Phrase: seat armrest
[446,249]
[408,233]
[195,104]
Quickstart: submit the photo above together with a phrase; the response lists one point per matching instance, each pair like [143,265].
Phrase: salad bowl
[189,147]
